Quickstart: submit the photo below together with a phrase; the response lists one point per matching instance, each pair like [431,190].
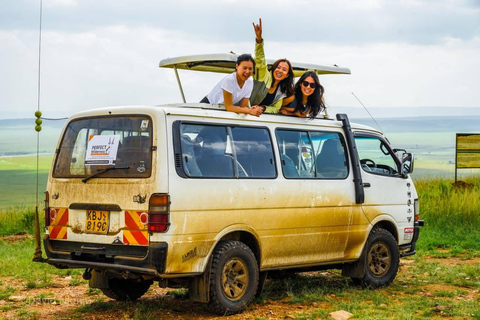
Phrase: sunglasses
[311,84]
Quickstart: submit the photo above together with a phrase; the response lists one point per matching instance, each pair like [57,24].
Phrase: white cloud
[60,3]
[408,53]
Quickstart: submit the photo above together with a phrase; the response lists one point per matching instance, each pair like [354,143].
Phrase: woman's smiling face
[306,86]
[244,70]
[281,72]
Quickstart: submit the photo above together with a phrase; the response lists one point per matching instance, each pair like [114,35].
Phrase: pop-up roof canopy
[225,63]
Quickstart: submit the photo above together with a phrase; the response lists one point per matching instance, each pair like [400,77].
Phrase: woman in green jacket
[270,86]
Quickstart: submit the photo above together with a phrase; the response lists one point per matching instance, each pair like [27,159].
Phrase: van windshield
[91,145]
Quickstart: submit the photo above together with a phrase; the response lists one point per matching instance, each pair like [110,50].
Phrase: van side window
[375,157]
[312,154]
[254,152]
[226,152]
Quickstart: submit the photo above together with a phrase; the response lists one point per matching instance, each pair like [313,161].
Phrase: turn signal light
[416,210]
[159,212]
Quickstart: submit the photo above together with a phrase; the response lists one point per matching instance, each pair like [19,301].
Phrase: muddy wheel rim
[235,279]
[379,259]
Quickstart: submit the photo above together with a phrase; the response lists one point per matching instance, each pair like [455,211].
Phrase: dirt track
[64,300]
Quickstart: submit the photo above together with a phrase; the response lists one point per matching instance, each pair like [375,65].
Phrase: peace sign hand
[258,30]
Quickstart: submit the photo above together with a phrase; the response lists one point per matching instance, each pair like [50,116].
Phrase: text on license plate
[97,221]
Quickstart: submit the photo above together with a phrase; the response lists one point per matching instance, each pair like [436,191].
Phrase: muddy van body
[196,196]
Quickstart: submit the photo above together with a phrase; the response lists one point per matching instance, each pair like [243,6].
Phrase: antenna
[368,112]
[37,256]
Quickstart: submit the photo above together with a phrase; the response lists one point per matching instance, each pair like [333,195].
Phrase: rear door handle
[366,185]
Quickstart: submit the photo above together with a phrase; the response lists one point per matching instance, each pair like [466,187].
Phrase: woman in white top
[235,89]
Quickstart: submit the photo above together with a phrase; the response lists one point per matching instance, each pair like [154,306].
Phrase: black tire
[126,289]
[381,259]
[233,278]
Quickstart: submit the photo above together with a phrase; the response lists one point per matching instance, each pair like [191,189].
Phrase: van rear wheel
[233,278]
[126,289]
[382,259]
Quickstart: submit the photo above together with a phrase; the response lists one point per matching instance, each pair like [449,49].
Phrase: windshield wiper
[99,172]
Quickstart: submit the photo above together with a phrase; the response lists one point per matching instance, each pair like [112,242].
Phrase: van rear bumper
[149,259]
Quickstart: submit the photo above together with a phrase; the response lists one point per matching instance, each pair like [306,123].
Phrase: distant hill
[404,112]
[459,124]
[17,136]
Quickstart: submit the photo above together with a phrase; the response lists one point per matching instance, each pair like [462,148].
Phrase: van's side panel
[297,221]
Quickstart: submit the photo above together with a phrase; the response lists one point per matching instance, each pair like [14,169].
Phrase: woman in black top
[308,99]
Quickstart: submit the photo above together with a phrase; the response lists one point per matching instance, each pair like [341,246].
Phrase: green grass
[408,297]
[18,221]
[7,292]
[18,179]
[452,214]
[16,261]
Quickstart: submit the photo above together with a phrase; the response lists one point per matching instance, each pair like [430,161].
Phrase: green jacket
[262,81]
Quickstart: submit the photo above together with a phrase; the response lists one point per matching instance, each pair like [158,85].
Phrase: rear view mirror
[407,163]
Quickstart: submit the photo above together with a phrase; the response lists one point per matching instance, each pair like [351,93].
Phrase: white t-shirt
[230,84]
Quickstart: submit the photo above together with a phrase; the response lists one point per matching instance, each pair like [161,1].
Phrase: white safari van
[196,196]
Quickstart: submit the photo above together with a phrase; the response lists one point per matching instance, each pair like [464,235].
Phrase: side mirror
[399,153]
[407,163]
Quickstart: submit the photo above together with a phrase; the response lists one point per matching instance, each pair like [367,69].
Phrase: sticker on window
[144,125]
[102,150]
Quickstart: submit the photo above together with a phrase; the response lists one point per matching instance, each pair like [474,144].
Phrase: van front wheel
[233,278]
[382,259]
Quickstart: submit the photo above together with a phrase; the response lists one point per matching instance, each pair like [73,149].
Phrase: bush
[451,213]
[19,220]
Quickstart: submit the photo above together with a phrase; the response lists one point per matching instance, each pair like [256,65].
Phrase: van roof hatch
[225,63]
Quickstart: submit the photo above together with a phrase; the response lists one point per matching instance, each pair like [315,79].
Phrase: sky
[403,54]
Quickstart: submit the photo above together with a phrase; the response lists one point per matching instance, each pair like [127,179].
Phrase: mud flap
[261,283]
[357,268]
[98,280]
[199,286]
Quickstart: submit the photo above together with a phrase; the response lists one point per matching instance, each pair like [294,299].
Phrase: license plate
[97,221]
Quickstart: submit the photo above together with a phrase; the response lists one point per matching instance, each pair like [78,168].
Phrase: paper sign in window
[102,150]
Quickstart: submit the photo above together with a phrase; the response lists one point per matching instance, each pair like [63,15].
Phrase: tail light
[416,210]
[159,212]
[47,209]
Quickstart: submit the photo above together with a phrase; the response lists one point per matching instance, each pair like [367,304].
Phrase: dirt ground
[62,300]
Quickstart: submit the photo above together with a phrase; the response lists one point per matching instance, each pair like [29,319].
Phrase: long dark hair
[315,100]
[286,85]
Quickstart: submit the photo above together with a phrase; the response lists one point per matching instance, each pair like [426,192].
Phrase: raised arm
[261,72]
[258,30]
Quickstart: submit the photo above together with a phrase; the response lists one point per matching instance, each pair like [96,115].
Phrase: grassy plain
[430,139]
[18,178]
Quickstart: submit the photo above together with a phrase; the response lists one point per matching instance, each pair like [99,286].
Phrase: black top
[268,100]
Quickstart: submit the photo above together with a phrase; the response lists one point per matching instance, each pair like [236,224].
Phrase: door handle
[366,185]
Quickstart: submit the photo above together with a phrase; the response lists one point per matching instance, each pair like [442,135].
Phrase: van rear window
[119,145]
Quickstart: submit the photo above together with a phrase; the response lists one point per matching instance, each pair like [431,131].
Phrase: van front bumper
[409,249]
[148,260]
